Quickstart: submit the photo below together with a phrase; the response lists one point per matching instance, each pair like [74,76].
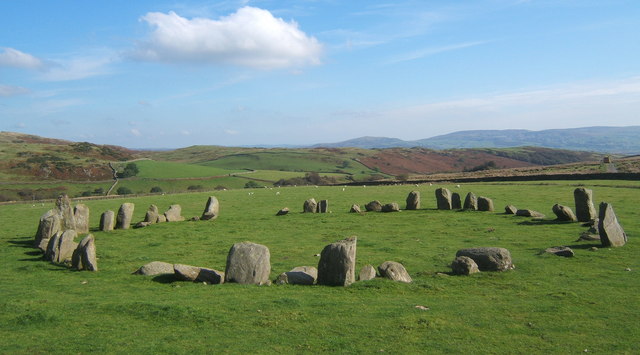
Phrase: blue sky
[167,74]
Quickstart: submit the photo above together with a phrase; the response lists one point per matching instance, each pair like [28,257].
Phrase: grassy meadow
[547,304]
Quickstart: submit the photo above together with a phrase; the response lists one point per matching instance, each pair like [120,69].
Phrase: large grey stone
[471,202]
[152,214]
[510,209]
[337,263]
[563,213]
[391,207]
[107,221]
[413,200]
[485,204]
[174,214]
[63,205]
[373,206]
[368,272]
[529,213]
[464,265]
[125,215]
[84,257]
[443,198]
[301,275]
[81,217]
[198,274]
[355,209]
[50,224]
[489,258]
[394,271]
[61,246]
[248,263]
[560,251]
[310,206]
[323,206]
[585,211]
[155,268]
[611,232]
[211,209]
[456,202]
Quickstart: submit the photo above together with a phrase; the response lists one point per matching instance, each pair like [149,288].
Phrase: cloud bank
[250,37]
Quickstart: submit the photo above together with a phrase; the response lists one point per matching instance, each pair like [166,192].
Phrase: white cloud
[250,37]
[9,90]
[10,57]
[76,68]
[135,132]
[231,132]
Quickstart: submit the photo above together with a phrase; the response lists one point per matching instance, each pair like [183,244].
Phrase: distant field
[171,170]
[548,304]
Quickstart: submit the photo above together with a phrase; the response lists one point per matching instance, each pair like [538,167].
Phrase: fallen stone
[155,268]
[368,272]
[355,209]
[510,209]
[585,210]
[301,275]
[394,271]
[198,274]
[611,232]
[560,251]
[211,209]
[529,213]
[563,213]
[337,263]
[142,224]
[413,200]
[488,258]
[248,263]
[125,215]
[373,206]
[283,211]
[391,207]
[443,198]
[586,236]
[464,265]
[162,219]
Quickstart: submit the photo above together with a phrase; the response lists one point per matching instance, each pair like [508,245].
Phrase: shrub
[251,184]
[123,190]
[156,189]
[194,187]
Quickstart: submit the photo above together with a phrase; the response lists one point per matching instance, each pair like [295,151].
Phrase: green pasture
[547,304]
[171,170]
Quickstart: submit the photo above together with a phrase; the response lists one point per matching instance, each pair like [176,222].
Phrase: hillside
[620,140]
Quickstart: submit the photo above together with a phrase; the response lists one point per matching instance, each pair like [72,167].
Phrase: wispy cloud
[76,68]
[426,52]
[9,90]
[10,57]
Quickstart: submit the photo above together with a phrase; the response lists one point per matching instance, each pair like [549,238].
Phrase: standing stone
[373,206]
[310,206]
[485,204]
[413,200]
[611,232]
[391,207]
[471,202]
[563,213]
[394,271]
[125,215]
[488,258]
[106,221]
[63,205]
[84,257]
[443,198]
[464,265]
[152,214]
[61,247]
[155,268]
[301,275]
[355,209]
[174,214]
[211,210]
[510,209]
[81,216]
[50,224]
[337,263]
[456,202]
[368,272]
[323,206]
[585,211]
[248,263]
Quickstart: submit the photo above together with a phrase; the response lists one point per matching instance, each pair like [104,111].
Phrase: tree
[130,170]
[123,190]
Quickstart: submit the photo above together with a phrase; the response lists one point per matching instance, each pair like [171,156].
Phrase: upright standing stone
[413,200]
[152,214]
[563,213]
[174,214]
[394,271]
[485,204]
[50,224]
[611,232]
[323,206]
[488,258]
[337,263]
[443,198]
[585,211]
[373,206]
[63,205]
[248,263]
[81,216]
[211,209]
[84,257]
[125,215]
[471,202]
[106,221]
[310,206]
[61,247]
[456,202]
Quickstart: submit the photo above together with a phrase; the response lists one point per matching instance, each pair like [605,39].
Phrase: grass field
[548,304]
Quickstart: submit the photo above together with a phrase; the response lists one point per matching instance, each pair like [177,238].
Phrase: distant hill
[622,140]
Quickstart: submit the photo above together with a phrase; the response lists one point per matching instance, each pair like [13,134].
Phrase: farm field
[547,304]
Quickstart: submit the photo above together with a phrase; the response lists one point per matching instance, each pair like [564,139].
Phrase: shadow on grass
[542,222]
[22,243]
[165,278]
